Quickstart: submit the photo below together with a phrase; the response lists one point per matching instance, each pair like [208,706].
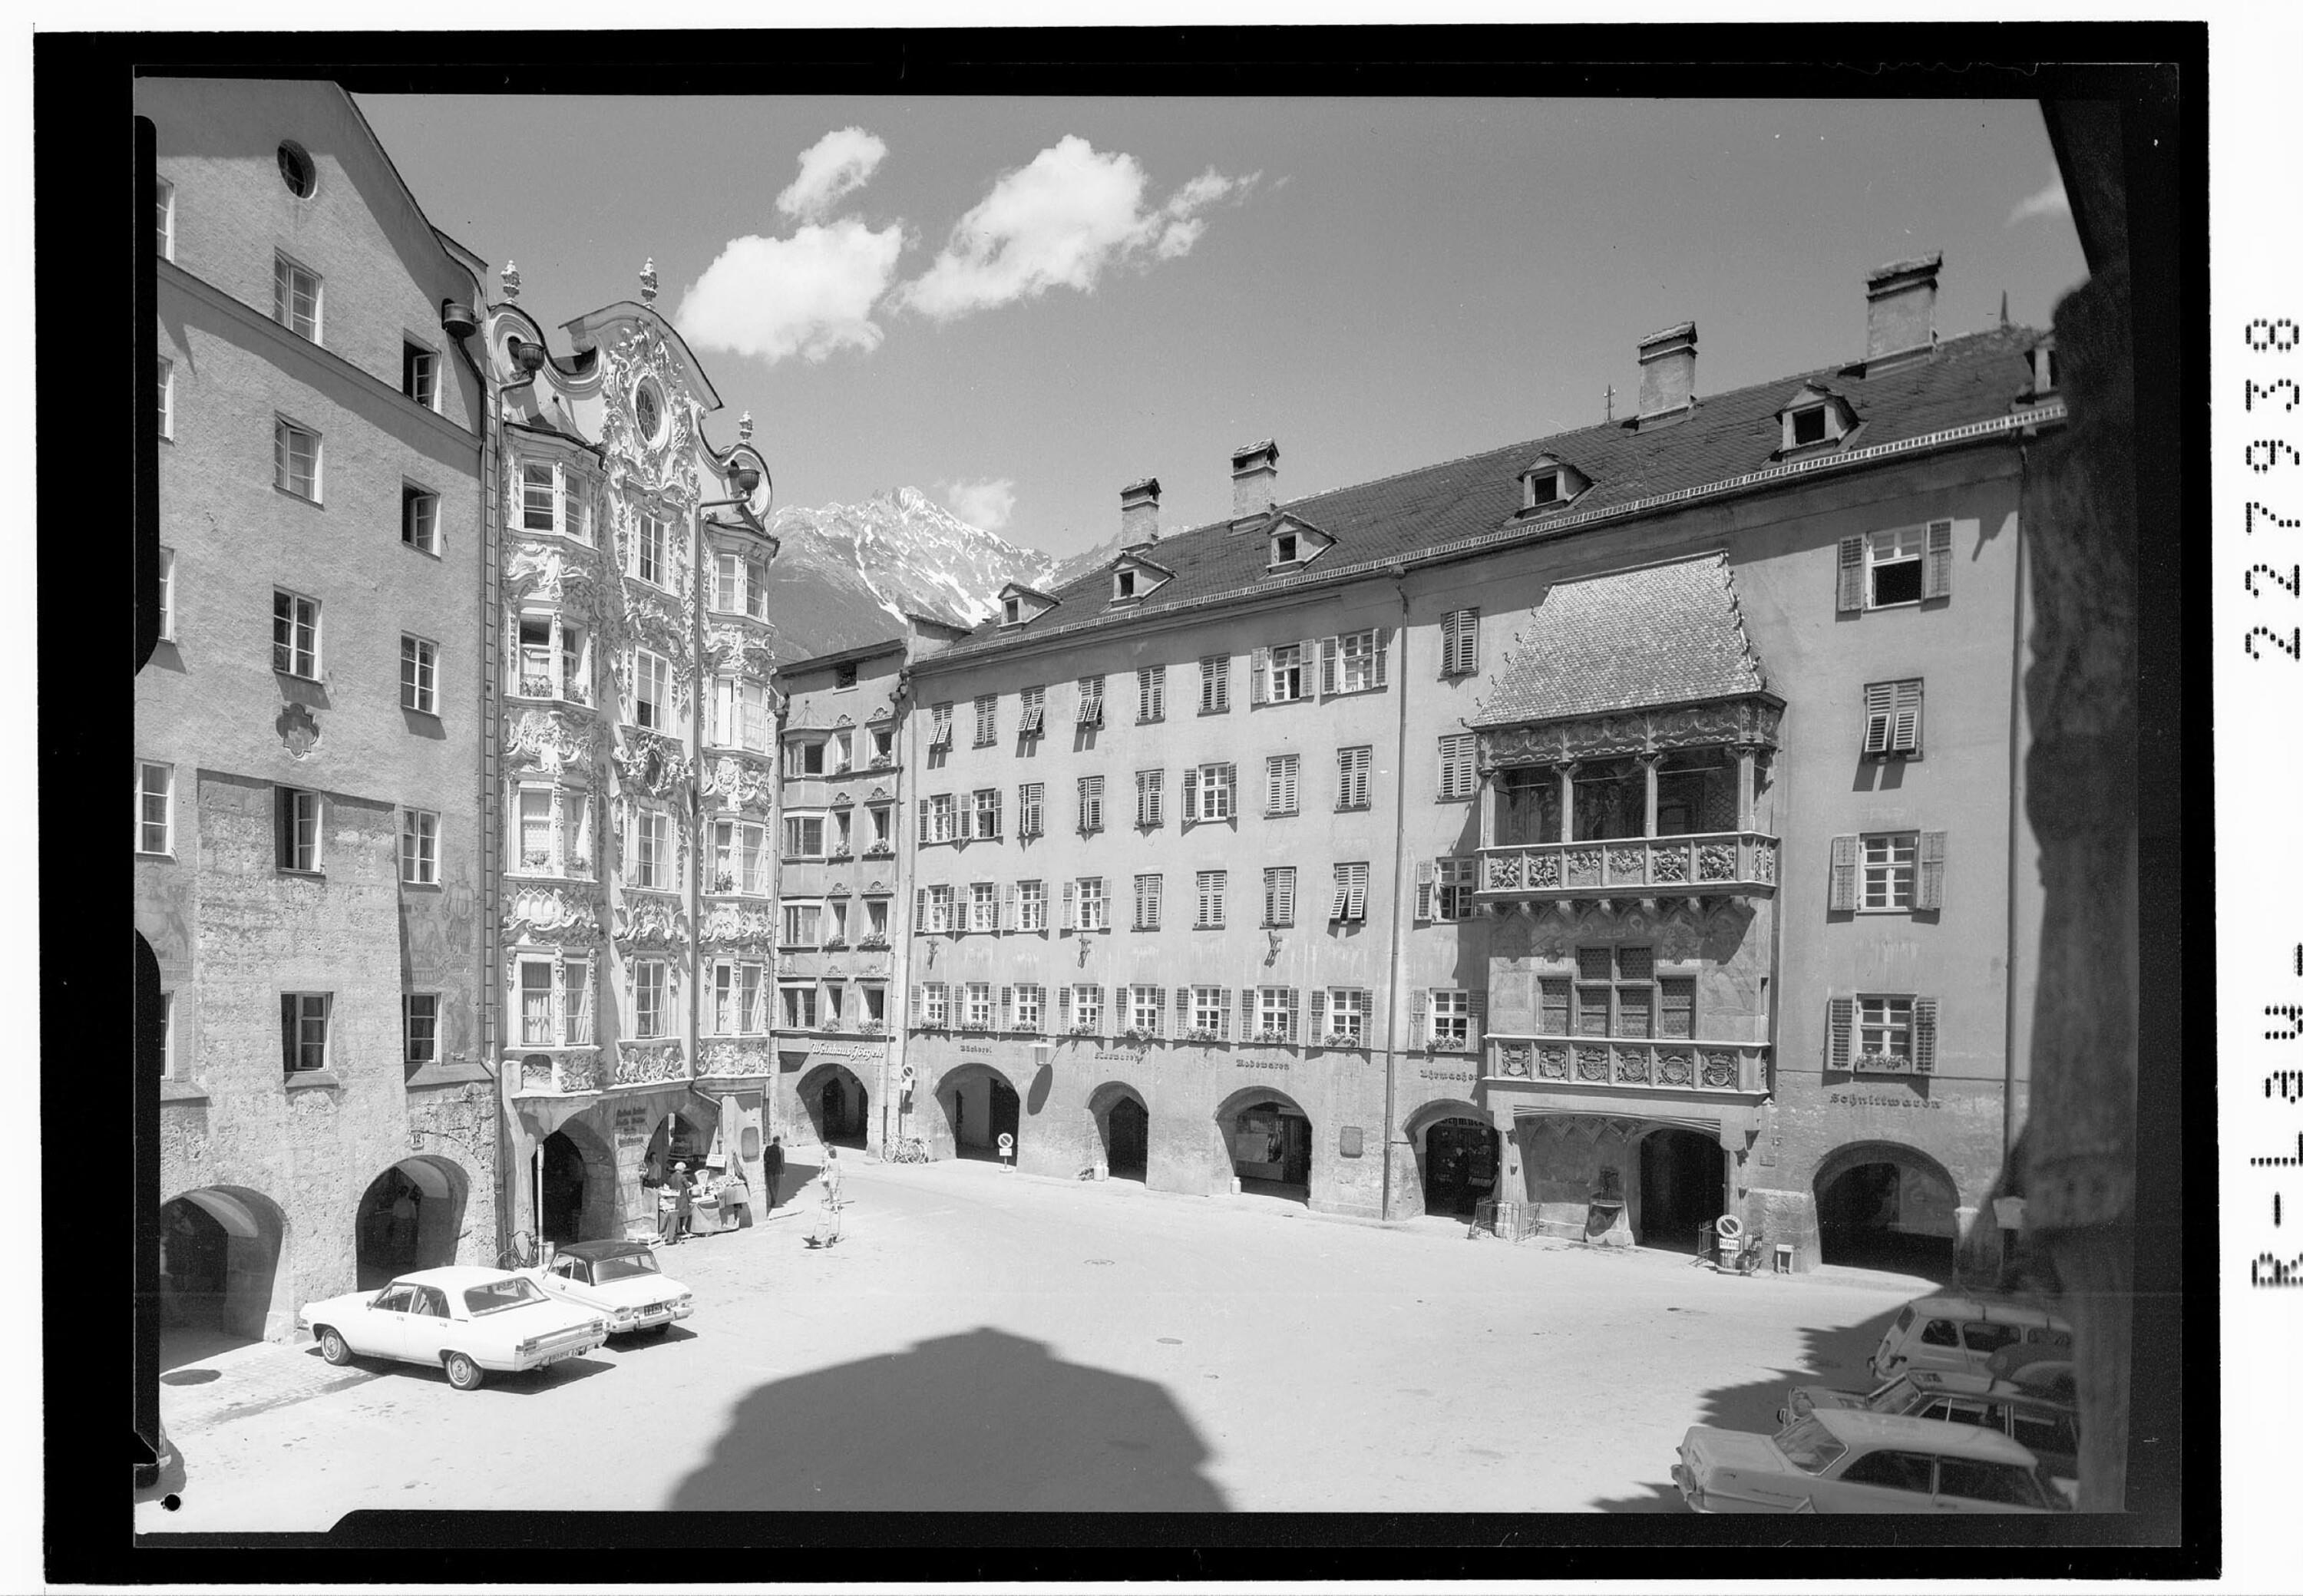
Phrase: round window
[296,169]
[647,405]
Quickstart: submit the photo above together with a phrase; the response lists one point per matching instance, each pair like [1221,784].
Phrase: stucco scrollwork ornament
[650,763]
[738,923]
[551,914]
[299,730]
[646,920]
[546,571]
[546,739]
[718,1058]
[639,1062]
[730,783]
[665,464]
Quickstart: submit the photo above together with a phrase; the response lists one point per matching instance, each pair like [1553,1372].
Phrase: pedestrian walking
[771,1170]
[734,1197]
[672,1203]
[826,1230]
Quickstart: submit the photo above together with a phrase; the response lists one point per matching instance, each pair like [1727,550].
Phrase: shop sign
[1259,1060]
[1464,1076]
[1121,1058]
[976,1047]
[631,1122]
[1853,1099]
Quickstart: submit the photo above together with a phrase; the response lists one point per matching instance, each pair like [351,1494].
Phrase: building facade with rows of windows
[1619,826]
[841,955]
[635,768]
[310,848]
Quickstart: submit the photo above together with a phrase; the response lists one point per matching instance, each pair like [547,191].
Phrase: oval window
[296,169]
[648,407]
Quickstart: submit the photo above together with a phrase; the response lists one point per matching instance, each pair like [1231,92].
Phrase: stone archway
[222,1280]
[838,1105]
[1458,1158]
[1677,1181]
[1881,1205]
[577,1194]
[1123,1129]
[410,1217]
[1264,1144]
[978,1103]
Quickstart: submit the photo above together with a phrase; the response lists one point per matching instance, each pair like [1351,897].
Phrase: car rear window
[507,1293]
[1979,1481]
[1898,1471]
[2045,1433]
[1990,1337]
[623,1268]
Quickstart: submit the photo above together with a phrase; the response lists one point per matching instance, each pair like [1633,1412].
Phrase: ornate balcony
[554,1071]
[1673,1064]
[1700,861]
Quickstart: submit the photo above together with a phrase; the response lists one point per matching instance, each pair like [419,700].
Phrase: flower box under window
[1270,1038]
[839,853]
[1084,1028]
[1342,1039]
[872,1027]
[535,859]
[1202,1034]
[723,884]
[1881,1064]
[535,687]
[1450,1044]
[876,939]
[880,850]
[834,940]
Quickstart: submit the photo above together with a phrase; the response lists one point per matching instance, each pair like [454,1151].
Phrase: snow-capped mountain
[848,572]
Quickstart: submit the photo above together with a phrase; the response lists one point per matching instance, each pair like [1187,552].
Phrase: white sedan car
[464,1320]
[1844,1460]
[618,1279]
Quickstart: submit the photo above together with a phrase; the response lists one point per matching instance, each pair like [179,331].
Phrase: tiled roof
[1976,379]
[1661,634]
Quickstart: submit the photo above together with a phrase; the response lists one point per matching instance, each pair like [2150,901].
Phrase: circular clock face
[649,409]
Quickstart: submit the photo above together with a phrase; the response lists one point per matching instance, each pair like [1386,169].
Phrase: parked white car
[463,1319]
[1844,1460]
[617,1279]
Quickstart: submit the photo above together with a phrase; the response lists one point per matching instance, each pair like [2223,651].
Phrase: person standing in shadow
[771,1171]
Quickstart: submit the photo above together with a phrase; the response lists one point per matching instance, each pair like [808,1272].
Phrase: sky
[1020,306]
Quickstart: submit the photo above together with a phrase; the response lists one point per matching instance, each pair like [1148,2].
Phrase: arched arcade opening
[1123,1128]
[838,1105]
[1882,1205]
[575,1195]
[980,1106]
[220,1256]
[1267,1141]
[1683,1186]
[410,1218]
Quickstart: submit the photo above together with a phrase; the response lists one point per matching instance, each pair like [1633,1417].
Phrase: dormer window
[1123,585]
[1020,606]
[2043,368]
[1549,483]
[1814,419]
[1284,549]
[1290,544]
[1011,614]
[1134,578]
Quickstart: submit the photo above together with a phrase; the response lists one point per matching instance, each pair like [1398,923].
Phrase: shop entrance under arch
[979,1107]
[220,1251]
[1881,1206]
[1270,1142]
[1683,1186]
[1123,1128]
[408,1218]
[841,1108]
[576,1198]
[1459,1159]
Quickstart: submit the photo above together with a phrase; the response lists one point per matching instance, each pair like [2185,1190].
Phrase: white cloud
[2049,201]
[1061,222]
[831,169]
[984,505]
[809,295]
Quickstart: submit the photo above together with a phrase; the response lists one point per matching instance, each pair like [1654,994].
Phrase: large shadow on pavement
[983,1422]
[1838,1358]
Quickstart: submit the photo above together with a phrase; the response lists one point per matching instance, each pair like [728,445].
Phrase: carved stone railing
[1644,866]
[553,1071]
[1664,1065]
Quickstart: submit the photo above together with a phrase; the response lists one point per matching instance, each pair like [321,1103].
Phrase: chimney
[1139,513]
[1668,373]
[1254,468]
[1901,318]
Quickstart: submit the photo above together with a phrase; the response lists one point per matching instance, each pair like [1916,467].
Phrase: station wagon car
[1843,1460]
[2048,1428]
[1960,1334]
[462,1319]
[618,1279]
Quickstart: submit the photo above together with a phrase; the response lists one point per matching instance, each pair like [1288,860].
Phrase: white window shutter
[917,993]
[1064,1007]
[1288,1001]
[1258,674]
[1447,624]
[1478,1001]
[1424,886]
[1247,1027]
[966,818]
[1287,785]
[1382,652]
[1308,655]
[1417,1004]
[1183,1009]
[1319,1014]
[1878,716]
[994,820]
[919,910]
[1070,921]
[1007,920]
[1328,647]
[1467,643]
[1850,574]
[1936,581]
[924,821]
[1840,1033]
[1230,789]
[1190,794]
[1935,851]
[1846,871]
[1905,739]
[1923,1035]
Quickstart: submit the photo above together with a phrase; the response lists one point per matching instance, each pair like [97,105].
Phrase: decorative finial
[743,428]
[510,276]
[647,282]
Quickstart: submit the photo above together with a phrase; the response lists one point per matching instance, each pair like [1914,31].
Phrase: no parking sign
[1007,1146]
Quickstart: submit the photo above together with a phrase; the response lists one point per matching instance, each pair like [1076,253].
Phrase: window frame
[167,594]
[1283,783]
[1151,695]
[1031,809]
[164,200]
[167,400]
[1459,642]
[1090,805]
[1099,899]
[1210,793]
[419,368]
[419,848]
[285,270]
[420,518]
[1893,718]
[1209,889]
[299,1010]
[412,1056]
[795,832]
[650,984]
[167,797]
[651,691]
[1151,797]
[648,860]
[304,615]
[420,675]
[987,720]
[296,810]
[285,431]
[1897,870]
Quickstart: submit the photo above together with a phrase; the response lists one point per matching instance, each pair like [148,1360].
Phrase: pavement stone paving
[981,1339]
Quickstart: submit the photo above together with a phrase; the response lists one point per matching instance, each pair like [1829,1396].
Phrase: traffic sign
[1006,1143]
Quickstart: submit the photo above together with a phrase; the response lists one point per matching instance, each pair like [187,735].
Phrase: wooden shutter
[1319,1014]
[1850,574]
[1308,654]
[924,837]
[1247,1011]
[919,910]
[1935,848]
[1416,1005]
[1447,626]
[1382,653]
[966,801]
[1328,649]
[1936,583]
[1923,1035]
[1878,716]
[1190,794]
[1287,767]
[1009,920]
[1288,1002]
[1069,923]
[1183,1009]
[1259,674]
[1223,1014]
[1423,888]
[919,992]
[1467,643]
[1007,1008]
[1230,790]
[1287,895]
[1846,871]
[1479,1026]
[1064,1007]
[1906,737]
[1839,1033]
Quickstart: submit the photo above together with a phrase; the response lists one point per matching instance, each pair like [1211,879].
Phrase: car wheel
[333,1347]
[463,1373]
